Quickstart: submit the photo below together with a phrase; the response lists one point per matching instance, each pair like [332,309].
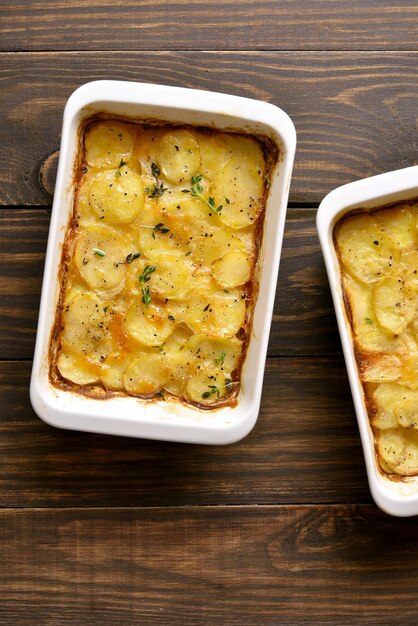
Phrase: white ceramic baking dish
[394,497]
[166,420]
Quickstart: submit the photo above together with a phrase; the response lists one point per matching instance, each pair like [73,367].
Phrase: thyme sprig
[157,189]
[158,228]
[132,256]
[214,389]
[121,164]
[196,190]
[143,279]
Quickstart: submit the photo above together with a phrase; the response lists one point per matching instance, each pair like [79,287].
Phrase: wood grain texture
[305,448]
[355,113]
[233,566]
[303,320]
[203,25]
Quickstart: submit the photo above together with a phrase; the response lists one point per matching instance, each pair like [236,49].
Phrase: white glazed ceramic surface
[395,497]
[169,420]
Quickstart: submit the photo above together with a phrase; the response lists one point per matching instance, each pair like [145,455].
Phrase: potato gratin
[378,252]
[158,273]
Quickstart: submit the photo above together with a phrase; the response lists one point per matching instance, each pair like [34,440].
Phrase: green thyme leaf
[220,359]
[99,252]
[155,170]
[132,256]
[144,278]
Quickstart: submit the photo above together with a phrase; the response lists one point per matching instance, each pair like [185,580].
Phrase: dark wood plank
[304,448]
[355,113]
[200,25]
[303,320]
[233,566]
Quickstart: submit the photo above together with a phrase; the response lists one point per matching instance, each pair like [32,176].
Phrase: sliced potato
[400,222]
[391,447]
[215,352]
[107,144]
[398,401]
[214,154]
[149,325]
[99,255]
[177,339]
[207,386]
[220,315]
[368,333]
[408,268]
[173,277]
[395,304]
[239,189]
[112,371]
[179,156]
[383,368]
[179,366]
[83,321]
[232,270]
[76,368]
[367,250]
[145,375]
[216,244]
[117,196]
[399,451]
[165,234]
[243,148]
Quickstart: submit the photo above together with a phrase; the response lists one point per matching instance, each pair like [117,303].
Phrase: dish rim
[182,423]
[397,498]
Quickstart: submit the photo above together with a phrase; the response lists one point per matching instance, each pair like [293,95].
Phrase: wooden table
[280,528]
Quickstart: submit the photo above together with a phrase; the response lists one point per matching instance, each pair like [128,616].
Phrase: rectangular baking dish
[165,420]
[394,497]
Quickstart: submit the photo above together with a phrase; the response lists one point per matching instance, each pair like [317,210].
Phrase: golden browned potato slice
[368,251]
[399,450]
[391,447]
[215,313]
[400,222]
[107,144]
[177,339]
[149,325]
[173,277]
[395,304]
[232,270]
[215,352]
[117,196]
[216,244]
[369,335]
[207,386]
[145,375]
[112,371]
[214,154]
[179,156]
[100,255]
[398,401]
[239,189]
[179,365]
[408,268]
[76,368]
[83,320]
[383,368]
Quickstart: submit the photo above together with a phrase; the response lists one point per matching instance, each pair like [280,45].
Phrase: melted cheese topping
[378,252]
[159,283]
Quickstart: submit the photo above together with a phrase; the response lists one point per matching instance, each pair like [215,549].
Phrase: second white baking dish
[394,497]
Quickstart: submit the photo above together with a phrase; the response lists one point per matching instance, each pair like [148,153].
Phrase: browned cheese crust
[159,270]
[378,255]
